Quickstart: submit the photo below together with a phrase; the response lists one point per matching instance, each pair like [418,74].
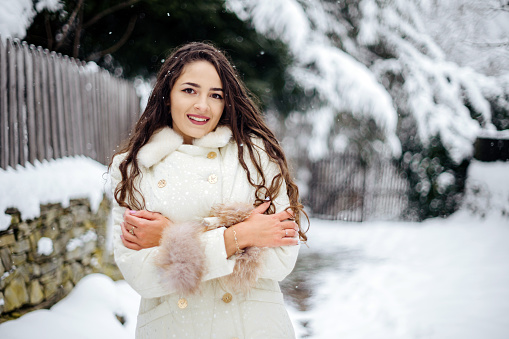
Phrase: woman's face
[197,101]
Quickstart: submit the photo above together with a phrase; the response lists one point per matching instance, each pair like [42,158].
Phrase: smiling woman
[196,101]
[206,214]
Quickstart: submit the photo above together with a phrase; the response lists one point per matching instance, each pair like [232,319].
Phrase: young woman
[206,214]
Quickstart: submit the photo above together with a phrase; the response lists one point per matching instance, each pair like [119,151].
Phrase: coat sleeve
[278,262]
[138,267]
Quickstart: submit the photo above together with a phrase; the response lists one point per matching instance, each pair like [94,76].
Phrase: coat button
[227,297]
[161,183]
[212,155]
[212,178]
[182,303]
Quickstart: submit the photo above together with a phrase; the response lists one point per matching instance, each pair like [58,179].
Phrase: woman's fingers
[126,232]
[284,215]
[129,244]
[262,208]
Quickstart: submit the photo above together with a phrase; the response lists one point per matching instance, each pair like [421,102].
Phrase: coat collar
[166,141]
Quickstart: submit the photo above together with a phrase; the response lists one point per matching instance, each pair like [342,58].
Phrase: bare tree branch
[77,35]
[67,27]
[49,34]
[107,11]
[120,43]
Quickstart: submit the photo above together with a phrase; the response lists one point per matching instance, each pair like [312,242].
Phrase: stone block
[66,273]
[5,255]
[35,270]
[22,245]
[50,289]
[75,254]
[76,232]
[15,294]
[66,222]
[50,231]
[25,228]
[77,272]
[35,292]
[2,269]
[68,286]
[51,277]
[49,267]
[7,239]
[19,259]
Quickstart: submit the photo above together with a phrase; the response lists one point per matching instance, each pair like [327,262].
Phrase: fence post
[4,114]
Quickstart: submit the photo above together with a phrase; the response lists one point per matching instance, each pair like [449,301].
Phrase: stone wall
[41,260]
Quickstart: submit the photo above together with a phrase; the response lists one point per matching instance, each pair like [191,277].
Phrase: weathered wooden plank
[76,102]
[53,118]
[49,151]
[13,107]
[86,105]
[30,104]
[22,108]
[60,105]
[65,112]
[37,59]
[4,113]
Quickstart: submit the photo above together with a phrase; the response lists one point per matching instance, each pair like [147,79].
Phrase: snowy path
[442,279]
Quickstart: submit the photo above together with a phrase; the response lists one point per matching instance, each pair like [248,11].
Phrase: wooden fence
[53,106]
[343,188]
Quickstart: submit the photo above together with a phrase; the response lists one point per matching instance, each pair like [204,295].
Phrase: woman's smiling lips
[198,119]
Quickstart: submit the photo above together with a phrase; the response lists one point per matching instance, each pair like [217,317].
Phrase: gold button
[227,297]
[182,303]
[161,183]
[212,178]
[212,155]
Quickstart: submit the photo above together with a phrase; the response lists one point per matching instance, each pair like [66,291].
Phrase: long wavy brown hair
[240,113]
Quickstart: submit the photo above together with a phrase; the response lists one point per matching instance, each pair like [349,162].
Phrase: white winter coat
[183,182]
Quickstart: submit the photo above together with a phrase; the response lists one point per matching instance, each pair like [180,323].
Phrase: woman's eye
[217,96]
[188,90]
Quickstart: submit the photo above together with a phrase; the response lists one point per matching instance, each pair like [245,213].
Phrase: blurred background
[394,114]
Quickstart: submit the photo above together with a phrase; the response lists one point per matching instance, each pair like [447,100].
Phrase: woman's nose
[201,104]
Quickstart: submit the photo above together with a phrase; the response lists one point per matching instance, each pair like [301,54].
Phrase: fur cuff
[181,258]
[247,264]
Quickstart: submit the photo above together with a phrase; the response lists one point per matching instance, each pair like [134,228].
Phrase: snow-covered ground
[440,279]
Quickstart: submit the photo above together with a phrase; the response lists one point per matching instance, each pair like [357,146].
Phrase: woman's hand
[142,229]
[263,230]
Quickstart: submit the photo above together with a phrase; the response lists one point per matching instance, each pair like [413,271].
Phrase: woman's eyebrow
[198,86]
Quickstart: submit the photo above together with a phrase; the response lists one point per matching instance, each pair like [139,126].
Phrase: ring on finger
[132,231]
[286,233]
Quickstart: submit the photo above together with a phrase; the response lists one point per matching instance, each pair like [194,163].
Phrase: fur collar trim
[165,141]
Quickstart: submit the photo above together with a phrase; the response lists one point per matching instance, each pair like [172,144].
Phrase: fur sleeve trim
[247,264]
[181,258]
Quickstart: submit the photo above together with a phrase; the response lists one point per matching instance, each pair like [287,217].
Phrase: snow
[341,82]
[50,5]
[89,311]
[17,15]
[45,246]
[54,181]
[74,243]
[439,279]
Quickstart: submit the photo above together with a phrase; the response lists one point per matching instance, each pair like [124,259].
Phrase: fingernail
[267,199]
[132,212]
